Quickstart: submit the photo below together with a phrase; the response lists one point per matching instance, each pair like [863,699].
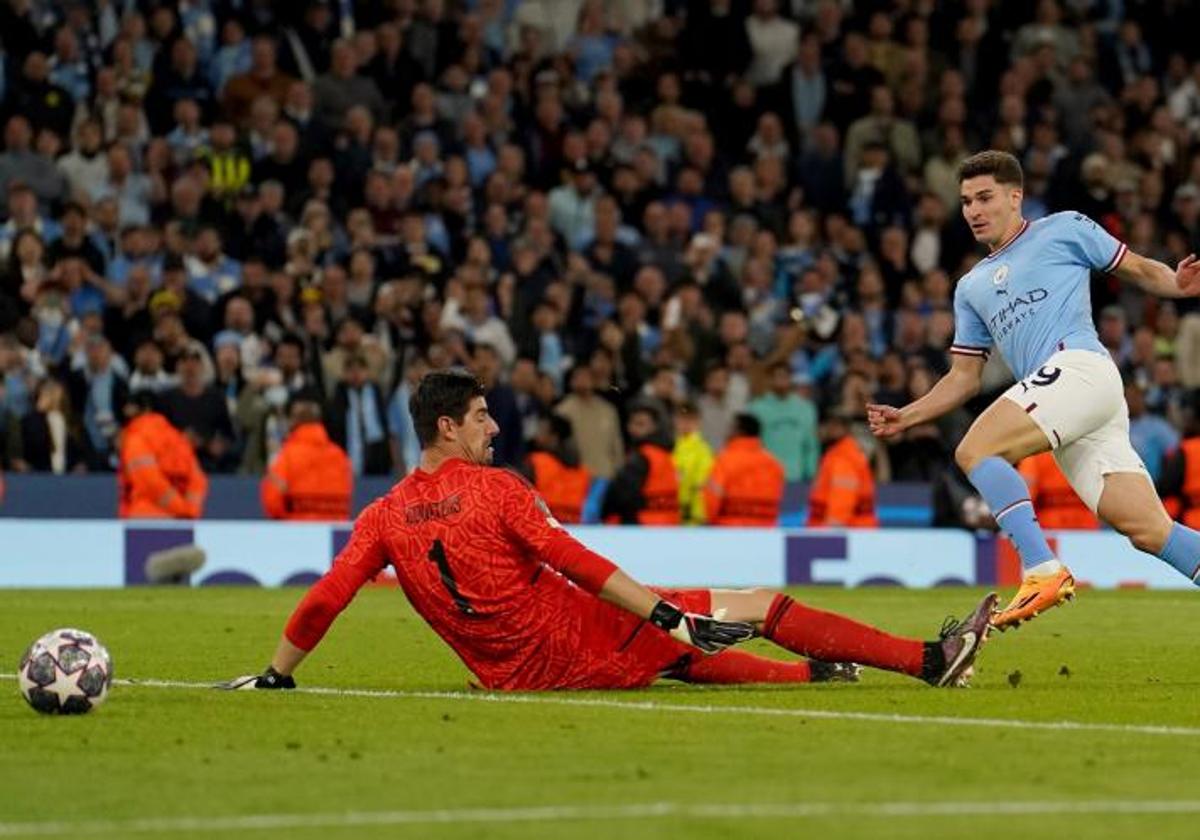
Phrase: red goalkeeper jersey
[485,564]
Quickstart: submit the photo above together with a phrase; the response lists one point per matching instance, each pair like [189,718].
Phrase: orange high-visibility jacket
[843,491]
[159,476]
[310,478]
[564,488]
[660,489]
[1054,500]
[1191,482]
[745,486]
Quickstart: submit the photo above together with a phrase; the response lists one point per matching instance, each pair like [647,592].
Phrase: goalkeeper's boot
[820,672]
[1037,594]
[958,644]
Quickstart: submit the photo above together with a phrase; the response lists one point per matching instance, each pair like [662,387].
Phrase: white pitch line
[551,699]
[599,813]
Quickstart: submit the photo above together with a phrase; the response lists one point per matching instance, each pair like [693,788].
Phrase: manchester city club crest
[1000,280]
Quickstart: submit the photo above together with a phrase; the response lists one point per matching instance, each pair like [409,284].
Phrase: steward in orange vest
[843,491]
[645,491]
[553,467]
[310,477]
[159,476]
[1179,483]
[745,486]
[1053,498]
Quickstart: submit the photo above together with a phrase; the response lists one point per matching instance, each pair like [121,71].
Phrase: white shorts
[1077,399]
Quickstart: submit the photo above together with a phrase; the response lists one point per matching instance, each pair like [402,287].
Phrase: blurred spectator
[98,389]
[746,485]
[595,422]
[197,408]
[50,432]
[843,492]
[716,415]
[41,102]
[342,88]
[159,477]
[85,166]
[645,490]
[148,373]
[263,78]
[1153,438]
[789,425]
[693,462]
[773,41]
[310,477]
[357,419]
[553,467]
[509,444]
[21,164]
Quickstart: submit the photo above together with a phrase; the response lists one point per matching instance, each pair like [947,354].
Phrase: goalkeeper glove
[269,679]
[710,635]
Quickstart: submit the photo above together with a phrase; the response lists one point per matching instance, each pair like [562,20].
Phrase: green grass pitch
[431,759]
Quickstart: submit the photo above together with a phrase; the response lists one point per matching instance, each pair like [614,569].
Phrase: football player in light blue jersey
[1029,298]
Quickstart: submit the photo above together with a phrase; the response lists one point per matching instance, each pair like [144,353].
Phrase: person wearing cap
[745,487]
[693,459]
[159,476]
[310,477]
[572,205]
[843,493]
[645,491]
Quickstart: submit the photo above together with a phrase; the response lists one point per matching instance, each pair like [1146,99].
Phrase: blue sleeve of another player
[1091,244]
[971,336]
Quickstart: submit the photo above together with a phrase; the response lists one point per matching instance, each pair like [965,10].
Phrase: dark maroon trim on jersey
[1122,250]
[1011,239]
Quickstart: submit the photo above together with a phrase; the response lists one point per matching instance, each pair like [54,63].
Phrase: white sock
[1049,567]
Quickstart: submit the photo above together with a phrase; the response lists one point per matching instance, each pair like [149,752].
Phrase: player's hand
[884,421]
[703,632]
[1187,275]
[269,679]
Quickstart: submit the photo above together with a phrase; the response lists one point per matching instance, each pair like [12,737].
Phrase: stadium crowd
[646,217]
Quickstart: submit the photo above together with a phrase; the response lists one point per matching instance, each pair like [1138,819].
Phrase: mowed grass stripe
[593,813]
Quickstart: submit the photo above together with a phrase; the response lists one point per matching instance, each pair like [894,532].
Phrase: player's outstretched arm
[362,558]
[1159,278]
[707,634]
[951,391]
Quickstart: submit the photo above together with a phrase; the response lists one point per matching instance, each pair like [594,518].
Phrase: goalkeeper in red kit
[528,607]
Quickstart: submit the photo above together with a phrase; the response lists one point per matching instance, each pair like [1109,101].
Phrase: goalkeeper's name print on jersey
[420,512]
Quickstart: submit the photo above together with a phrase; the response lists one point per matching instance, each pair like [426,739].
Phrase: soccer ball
[66,672]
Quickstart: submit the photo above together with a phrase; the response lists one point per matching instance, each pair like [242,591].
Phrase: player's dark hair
[442,393]
[1002,166]
[747,425]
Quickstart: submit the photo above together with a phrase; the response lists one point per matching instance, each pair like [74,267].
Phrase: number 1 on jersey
[437,554]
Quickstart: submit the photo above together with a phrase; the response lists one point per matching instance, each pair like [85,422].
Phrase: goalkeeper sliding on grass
[528,607]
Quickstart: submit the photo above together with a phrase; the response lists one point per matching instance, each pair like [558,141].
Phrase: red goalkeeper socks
[735,667]
[833,638]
